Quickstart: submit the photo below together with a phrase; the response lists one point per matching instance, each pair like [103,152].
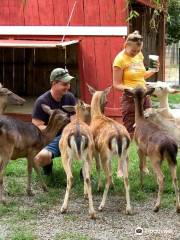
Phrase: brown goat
[24,139]
[7,97]
[155,143]
[77,143]
[110,138]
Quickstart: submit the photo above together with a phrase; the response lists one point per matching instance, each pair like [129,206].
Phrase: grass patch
[22,209]
[22,234]
[71,236]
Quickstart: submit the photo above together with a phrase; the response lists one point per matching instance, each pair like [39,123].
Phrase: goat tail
[78,142]
[169,150]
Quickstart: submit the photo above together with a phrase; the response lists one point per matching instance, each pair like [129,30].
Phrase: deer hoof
[178,209]
[86,196]
[99,189]
[63,210]
[156,209]
[100,208]
[128,211]
[45,188]
[93,215]
[3,201]
[30,192]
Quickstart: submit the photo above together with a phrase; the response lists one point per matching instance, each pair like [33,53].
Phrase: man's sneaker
[48,169]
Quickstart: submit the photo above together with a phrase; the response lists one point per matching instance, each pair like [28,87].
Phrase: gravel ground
[112,223]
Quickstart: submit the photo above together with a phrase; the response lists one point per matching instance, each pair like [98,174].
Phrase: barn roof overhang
[147,3]
[63,31]
[35,44]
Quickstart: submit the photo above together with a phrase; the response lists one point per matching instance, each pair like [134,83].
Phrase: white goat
[162,90]
[77,143]
[155,143]
[111,138]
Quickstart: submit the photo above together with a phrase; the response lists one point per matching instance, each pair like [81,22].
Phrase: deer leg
[142,165]
[160,180]
[105,165]
[36,168]
[2,197]
[125,159]
[67,167]
[29,190]
[3,163]
[87,183]
[175,183]
[98,169]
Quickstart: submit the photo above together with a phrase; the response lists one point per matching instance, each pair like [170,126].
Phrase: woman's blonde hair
[135,37]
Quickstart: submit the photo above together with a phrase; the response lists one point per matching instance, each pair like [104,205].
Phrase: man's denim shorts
[53,146]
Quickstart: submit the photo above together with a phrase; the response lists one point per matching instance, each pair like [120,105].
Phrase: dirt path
[111,224]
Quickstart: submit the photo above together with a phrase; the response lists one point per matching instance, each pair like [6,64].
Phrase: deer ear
[69,108]
[91,89]
[128,92]
[107,90]
[46,109]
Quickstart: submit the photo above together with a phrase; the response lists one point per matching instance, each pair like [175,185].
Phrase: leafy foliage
[173,24]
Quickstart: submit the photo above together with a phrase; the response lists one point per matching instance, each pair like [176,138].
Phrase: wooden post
[161,48]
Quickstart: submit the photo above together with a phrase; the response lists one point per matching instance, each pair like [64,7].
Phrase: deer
[155,143]
[77,143]
[7,97]
[110,138]
[23,139]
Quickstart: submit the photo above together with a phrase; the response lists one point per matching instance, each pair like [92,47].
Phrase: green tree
[173,23]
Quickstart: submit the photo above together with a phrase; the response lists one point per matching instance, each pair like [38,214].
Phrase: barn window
[26,65]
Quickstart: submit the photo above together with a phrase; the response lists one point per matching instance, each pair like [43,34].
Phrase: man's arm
[38,123]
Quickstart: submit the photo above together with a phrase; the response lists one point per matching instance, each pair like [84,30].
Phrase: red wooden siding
[95,54]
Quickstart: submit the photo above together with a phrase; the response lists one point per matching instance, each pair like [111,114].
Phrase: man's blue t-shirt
[46,98]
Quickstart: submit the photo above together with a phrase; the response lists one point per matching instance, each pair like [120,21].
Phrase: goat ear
[91,89]
[46,109]
[69,108]
[173,90]
[107,90]
[150,91]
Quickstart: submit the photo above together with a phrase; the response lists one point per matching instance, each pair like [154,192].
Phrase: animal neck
[51,130]
[138,109]
[163,102]
[95,105]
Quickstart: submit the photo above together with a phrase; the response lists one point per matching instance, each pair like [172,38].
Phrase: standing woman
[128,73]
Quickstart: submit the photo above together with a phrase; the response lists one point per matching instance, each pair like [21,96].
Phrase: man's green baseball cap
[60,74]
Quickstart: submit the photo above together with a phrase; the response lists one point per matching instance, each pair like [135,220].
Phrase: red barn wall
[95,54]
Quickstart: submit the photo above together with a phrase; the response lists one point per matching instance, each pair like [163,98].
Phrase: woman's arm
[118,79]
[149,73]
